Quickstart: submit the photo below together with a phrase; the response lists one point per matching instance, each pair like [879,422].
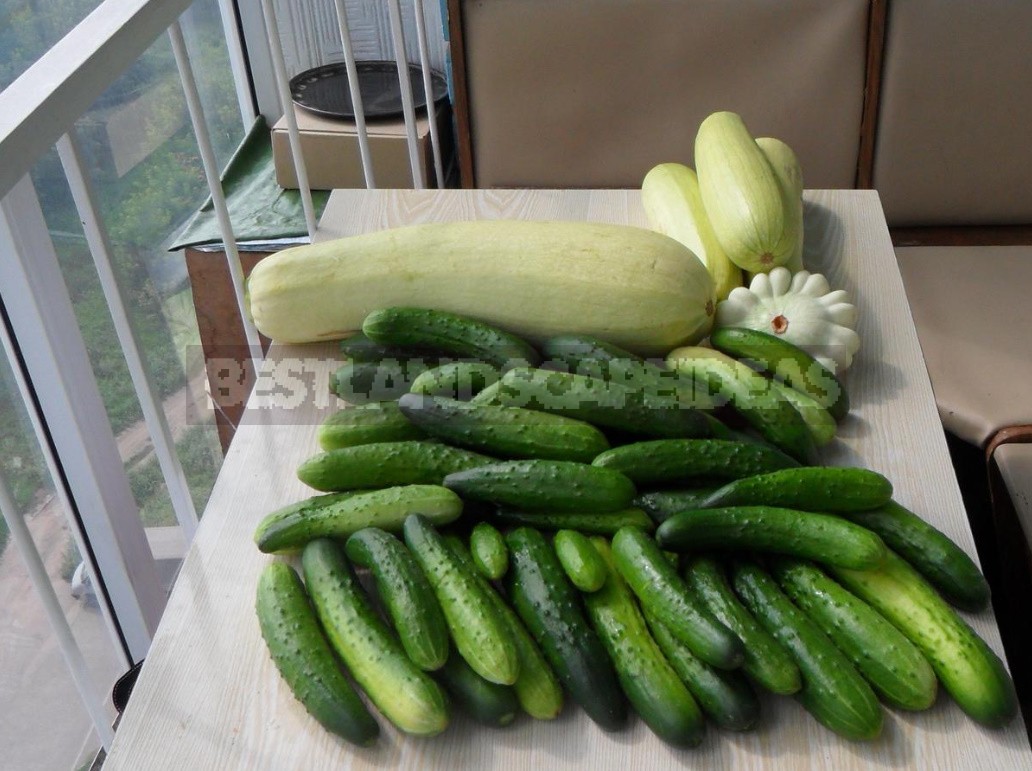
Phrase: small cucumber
[488,550]
[673,461]
[480,634]
[545,485]
[384,464]
[601,403]
[660,505]
[579,352]
[944,564]
[967,668]
[766,660]
[820,422]
[363,382]
[818,537]
[405,593]
[342,514]
[658,587]
[508,432]
[458,336]
[810,488]
[580,560]
[360,348]
[488,395]
[456,379]
[650,683]
[725,696]
[879,651]
[488,703]
[786,362]
[551,610]
[751,396]
[606,523]
[402,692]
[304,658]
[366,424]
[833,691]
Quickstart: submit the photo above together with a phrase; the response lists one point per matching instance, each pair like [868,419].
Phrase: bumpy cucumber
[342,514]
[725,696]
[580,560]
[402,692]
[766,661]
[786,362]
[656,584]
[362,382]
[479,632]
[821,423]
[384,464]
[488,550]
[366,424]
[660,505]
[751,396]
[360,348]
[944,564]
[508,432]
[673,461]
[488,703]
[833,691]
[810,488]
[304,658]
[452,334]
[602,403]
[879,651]
[551,609]
[648,680]
[580,352]
[965,665]
[456,379]
[606,523]
[818,537]
[405,593]
[488,395]
[545,485]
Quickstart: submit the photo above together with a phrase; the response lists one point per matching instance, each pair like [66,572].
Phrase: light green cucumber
[366,424]
[456,380]
[581,561]
[488,550]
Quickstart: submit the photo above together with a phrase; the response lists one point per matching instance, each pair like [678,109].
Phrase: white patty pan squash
[629,286]
[800,308]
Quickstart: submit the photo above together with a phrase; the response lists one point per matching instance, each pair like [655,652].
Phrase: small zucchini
[366,424]
[580,560]
[489,553]
[832,489]
[488,703]
[606,523]
[456,380]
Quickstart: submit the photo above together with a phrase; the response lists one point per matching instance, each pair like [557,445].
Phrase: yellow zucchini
[790,174]
[628,286]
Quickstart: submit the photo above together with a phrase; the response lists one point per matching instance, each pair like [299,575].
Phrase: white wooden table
[209,697]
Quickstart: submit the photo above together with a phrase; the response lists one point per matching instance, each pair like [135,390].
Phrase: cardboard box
[332,158]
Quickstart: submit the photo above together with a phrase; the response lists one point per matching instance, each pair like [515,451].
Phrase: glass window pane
[28,28]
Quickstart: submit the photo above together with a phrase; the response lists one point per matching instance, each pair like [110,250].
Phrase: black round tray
[324,90]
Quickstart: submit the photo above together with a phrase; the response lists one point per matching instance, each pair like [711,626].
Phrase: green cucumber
[581,352]
[366,424]
[342,514]
[650,683]
[478,630]
[509,432]
[606,523]
[360,348]
[405,593]
[601,403]
[488,395]
[766,661]
[456,379]
[888,660]
[818,537]
[660,505]
[833,691]
[363,382]
[725,696]
[967,668]
[944,564]
[488,703]
[658,587]
[402,692]
[821,423]
[458,336]
[488,550]
[384,464]
[304,658]
[751,396]
[673,461]
[832,489]
[550,607]
[580,560]
[786,362]
[545,485]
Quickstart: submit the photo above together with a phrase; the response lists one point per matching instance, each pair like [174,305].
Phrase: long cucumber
[832,489]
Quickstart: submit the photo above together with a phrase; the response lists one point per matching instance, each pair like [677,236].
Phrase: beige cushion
[593,93]
[953,132]
[973,312]
[1015,464]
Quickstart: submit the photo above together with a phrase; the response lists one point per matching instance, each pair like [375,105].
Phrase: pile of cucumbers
[501,527]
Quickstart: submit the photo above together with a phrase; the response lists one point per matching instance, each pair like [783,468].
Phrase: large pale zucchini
[673,205]
[790,174]
[629,286]
[742,195]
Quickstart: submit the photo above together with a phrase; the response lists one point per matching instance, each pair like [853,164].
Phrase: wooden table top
[209,696]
